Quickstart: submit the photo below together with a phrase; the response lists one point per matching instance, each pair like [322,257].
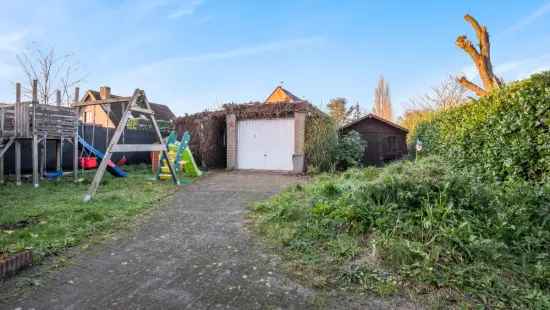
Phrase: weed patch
[423,227]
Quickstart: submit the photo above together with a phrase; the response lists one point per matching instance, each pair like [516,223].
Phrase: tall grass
[421,226]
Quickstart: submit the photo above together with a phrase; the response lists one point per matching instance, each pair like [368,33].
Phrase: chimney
[104,92]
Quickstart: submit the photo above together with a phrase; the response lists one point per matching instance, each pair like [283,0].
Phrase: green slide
[189,164]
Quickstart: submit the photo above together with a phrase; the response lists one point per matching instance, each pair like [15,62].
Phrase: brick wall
[231,122]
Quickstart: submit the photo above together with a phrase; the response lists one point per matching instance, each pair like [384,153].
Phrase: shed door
[265,144]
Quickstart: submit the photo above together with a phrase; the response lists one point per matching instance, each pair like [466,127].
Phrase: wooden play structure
[137,104]
[29,121]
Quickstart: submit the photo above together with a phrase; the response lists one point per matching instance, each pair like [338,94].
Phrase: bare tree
[481,59]
[448,94]
[52,72]
[382,101]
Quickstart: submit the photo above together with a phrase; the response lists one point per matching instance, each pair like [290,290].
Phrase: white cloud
[232,53]
[186,9]
[529,19]
[12,42]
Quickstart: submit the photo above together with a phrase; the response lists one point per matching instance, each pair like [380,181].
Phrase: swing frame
[115,147]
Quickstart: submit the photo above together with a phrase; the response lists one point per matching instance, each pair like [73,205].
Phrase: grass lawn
[53,217]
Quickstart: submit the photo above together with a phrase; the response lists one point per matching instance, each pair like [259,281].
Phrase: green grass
[53,217]
[440,235]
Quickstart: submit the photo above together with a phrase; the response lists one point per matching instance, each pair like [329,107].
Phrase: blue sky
[198,54]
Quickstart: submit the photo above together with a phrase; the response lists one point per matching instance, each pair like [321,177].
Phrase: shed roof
[375,117]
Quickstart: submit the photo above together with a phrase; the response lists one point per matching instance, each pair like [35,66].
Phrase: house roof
[376,117]
[280,95]
[162,112]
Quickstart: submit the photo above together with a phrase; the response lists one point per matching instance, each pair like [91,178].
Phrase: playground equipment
[22,122]
[137,104]
[180,156]
[111,166]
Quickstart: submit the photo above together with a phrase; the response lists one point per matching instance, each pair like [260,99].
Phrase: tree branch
[471,86]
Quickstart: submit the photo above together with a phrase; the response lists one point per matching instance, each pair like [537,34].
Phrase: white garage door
[266,144]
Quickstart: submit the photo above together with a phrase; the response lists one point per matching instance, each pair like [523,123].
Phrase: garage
[265,144]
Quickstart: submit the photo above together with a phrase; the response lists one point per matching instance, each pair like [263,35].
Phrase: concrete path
[195,253]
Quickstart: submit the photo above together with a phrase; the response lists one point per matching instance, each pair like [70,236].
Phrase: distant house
[108,115]
[385,140]
[281,95]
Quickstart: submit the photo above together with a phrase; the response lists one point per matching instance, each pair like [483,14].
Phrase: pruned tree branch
[471,86]
[481,59]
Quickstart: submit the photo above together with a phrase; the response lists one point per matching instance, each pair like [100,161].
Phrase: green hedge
[503,135]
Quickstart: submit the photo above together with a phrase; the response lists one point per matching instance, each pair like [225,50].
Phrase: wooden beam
[120,100]
[58,98]
[165,150]
[142,110]
[18,163]
[108,152]
[120,148]
[59,154]
[44,154]
[35,177]
[34,90]
[75,156]
[76,94]
[6,147]
[2,170]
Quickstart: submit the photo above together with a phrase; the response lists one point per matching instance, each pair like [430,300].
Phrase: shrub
[349,150]
[320,140]
[426,224]
[503,135]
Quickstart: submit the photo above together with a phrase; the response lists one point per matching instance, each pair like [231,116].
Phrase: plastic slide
[189,164]
[111,166]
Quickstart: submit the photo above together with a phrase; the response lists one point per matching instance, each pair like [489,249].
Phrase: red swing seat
[88,162]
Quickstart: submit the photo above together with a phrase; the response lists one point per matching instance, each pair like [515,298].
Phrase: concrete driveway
[194,253]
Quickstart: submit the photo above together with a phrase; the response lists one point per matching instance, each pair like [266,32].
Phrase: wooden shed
[386,140]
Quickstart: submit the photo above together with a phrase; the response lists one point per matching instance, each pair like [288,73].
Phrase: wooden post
[58,97]
[108,152]
[18,111]
[44,154]
[75,157]
[76,94]
[2,170]
[35,176]
[59,154]
[18,162]
[35,90]
[3,149]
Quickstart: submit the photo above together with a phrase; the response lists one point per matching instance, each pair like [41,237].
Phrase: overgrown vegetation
[503,135]
[327,150]
[53,217]
[468,224]
[421,226]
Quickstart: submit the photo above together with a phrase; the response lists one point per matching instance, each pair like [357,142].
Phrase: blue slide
[111,167]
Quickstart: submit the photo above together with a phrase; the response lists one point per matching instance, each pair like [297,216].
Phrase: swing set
[139,104]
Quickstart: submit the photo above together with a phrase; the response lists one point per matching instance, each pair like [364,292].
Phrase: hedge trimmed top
[503,135]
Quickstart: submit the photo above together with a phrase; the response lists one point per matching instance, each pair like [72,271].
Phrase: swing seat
[88,162]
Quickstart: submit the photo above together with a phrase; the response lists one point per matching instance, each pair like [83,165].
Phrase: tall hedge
[503,135]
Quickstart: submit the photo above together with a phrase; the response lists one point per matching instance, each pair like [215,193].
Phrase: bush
[424,223]
[504,135]
[320,140]
[349,150]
